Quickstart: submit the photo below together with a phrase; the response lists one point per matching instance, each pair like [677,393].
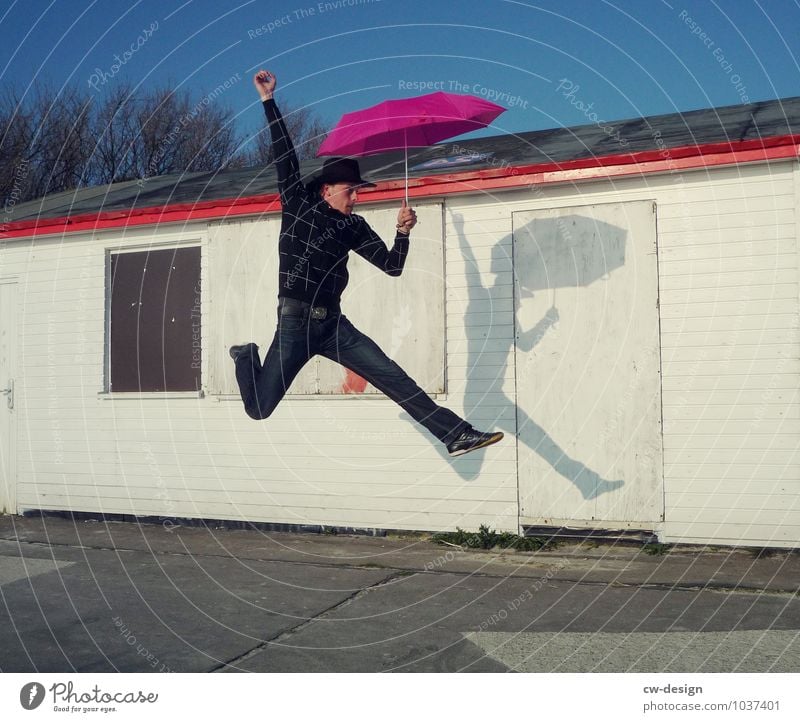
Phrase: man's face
[341,196]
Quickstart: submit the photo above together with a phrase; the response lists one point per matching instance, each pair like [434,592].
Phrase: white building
[620,299]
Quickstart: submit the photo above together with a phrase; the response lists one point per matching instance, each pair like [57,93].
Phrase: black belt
[294,307]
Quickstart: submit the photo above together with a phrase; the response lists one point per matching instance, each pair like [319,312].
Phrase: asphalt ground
[95,596]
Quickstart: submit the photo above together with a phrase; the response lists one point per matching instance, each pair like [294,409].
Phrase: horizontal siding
[734,469]
[307,498]
[716,442]
[745,397]
[673,329]
[740,514]
[778,533]
[231,478]
[769,275]
[769,455]
[769,350]
[740,294]
[739,382]
[782,363]
[680,237]
[736,251]
[728,264]
[706,219]
[366,458]
[736,427]
[731,367]
[754,413]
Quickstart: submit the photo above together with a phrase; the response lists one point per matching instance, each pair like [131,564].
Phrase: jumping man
[318,231]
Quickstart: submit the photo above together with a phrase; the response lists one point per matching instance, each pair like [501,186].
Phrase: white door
[588,366]
[8,337]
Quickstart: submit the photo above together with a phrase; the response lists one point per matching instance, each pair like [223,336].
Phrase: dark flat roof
[755,121]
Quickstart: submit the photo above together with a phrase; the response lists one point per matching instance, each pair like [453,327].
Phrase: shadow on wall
[565,251]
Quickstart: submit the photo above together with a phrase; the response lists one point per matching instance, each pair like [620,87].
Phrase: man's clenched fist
[265,83]
[406,219]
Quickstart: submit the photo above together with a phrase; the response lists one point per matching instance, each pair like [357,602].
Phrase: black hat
[341,170]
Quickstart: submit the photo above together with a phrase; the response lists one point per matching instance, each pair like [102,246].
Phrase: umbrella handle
[405,146]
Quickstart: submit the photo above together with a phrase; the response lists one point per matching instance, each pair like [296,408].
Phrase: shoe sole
[491,440]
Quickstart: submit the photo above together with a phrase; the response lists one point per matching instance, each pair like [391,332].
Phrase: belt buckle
[319,313]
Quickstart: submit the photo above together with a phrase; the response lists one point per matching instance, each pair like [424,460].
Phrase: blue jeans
[299,338]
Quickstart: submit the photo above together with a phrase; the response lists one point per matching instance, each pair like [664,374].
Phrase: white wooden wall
[351,461]
[728,275]
[729,324]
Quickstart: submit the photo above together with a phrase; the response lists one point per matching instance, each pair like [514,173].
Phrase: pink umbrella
[408,123]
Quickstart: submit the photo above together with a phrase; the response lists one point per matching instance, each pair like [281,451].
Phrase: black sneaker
[470,440]
[236,351]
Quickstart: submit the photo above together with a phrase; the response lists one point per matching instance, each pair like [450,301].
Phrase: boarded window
[404,316]
[155,320]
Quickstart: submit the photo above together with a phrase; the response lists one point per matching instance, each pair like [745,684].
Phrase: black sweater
[315,239]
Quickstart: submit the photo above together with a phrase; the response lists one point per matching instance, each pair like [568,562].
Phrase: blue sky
[552,63]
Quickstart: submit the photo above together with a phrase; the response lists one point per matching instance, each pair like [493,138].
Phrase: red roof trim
[644,162]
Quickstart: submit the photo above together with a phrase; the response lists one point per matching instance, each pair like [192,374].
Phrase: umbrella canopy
[408,123]
[554,250]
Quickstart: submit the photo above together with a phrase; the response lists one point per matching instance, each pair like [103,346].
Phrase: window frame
[151,246]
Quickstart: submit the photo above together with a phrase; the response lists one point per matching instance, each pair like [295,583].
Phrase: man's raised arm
[286,163]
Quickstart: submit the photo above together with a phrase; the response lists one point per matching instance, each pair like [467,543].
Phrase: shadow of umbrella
[565,252]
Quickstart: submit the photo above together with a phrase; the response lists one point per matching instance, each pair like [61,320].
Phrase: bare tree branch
[114,153]
[57,140]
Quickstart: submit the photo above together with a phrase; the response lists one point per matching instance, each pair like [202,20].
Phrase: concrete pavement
[90,596]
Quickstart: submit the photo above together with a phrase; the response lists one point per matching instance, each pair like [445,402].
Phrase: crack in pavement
[358,594]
